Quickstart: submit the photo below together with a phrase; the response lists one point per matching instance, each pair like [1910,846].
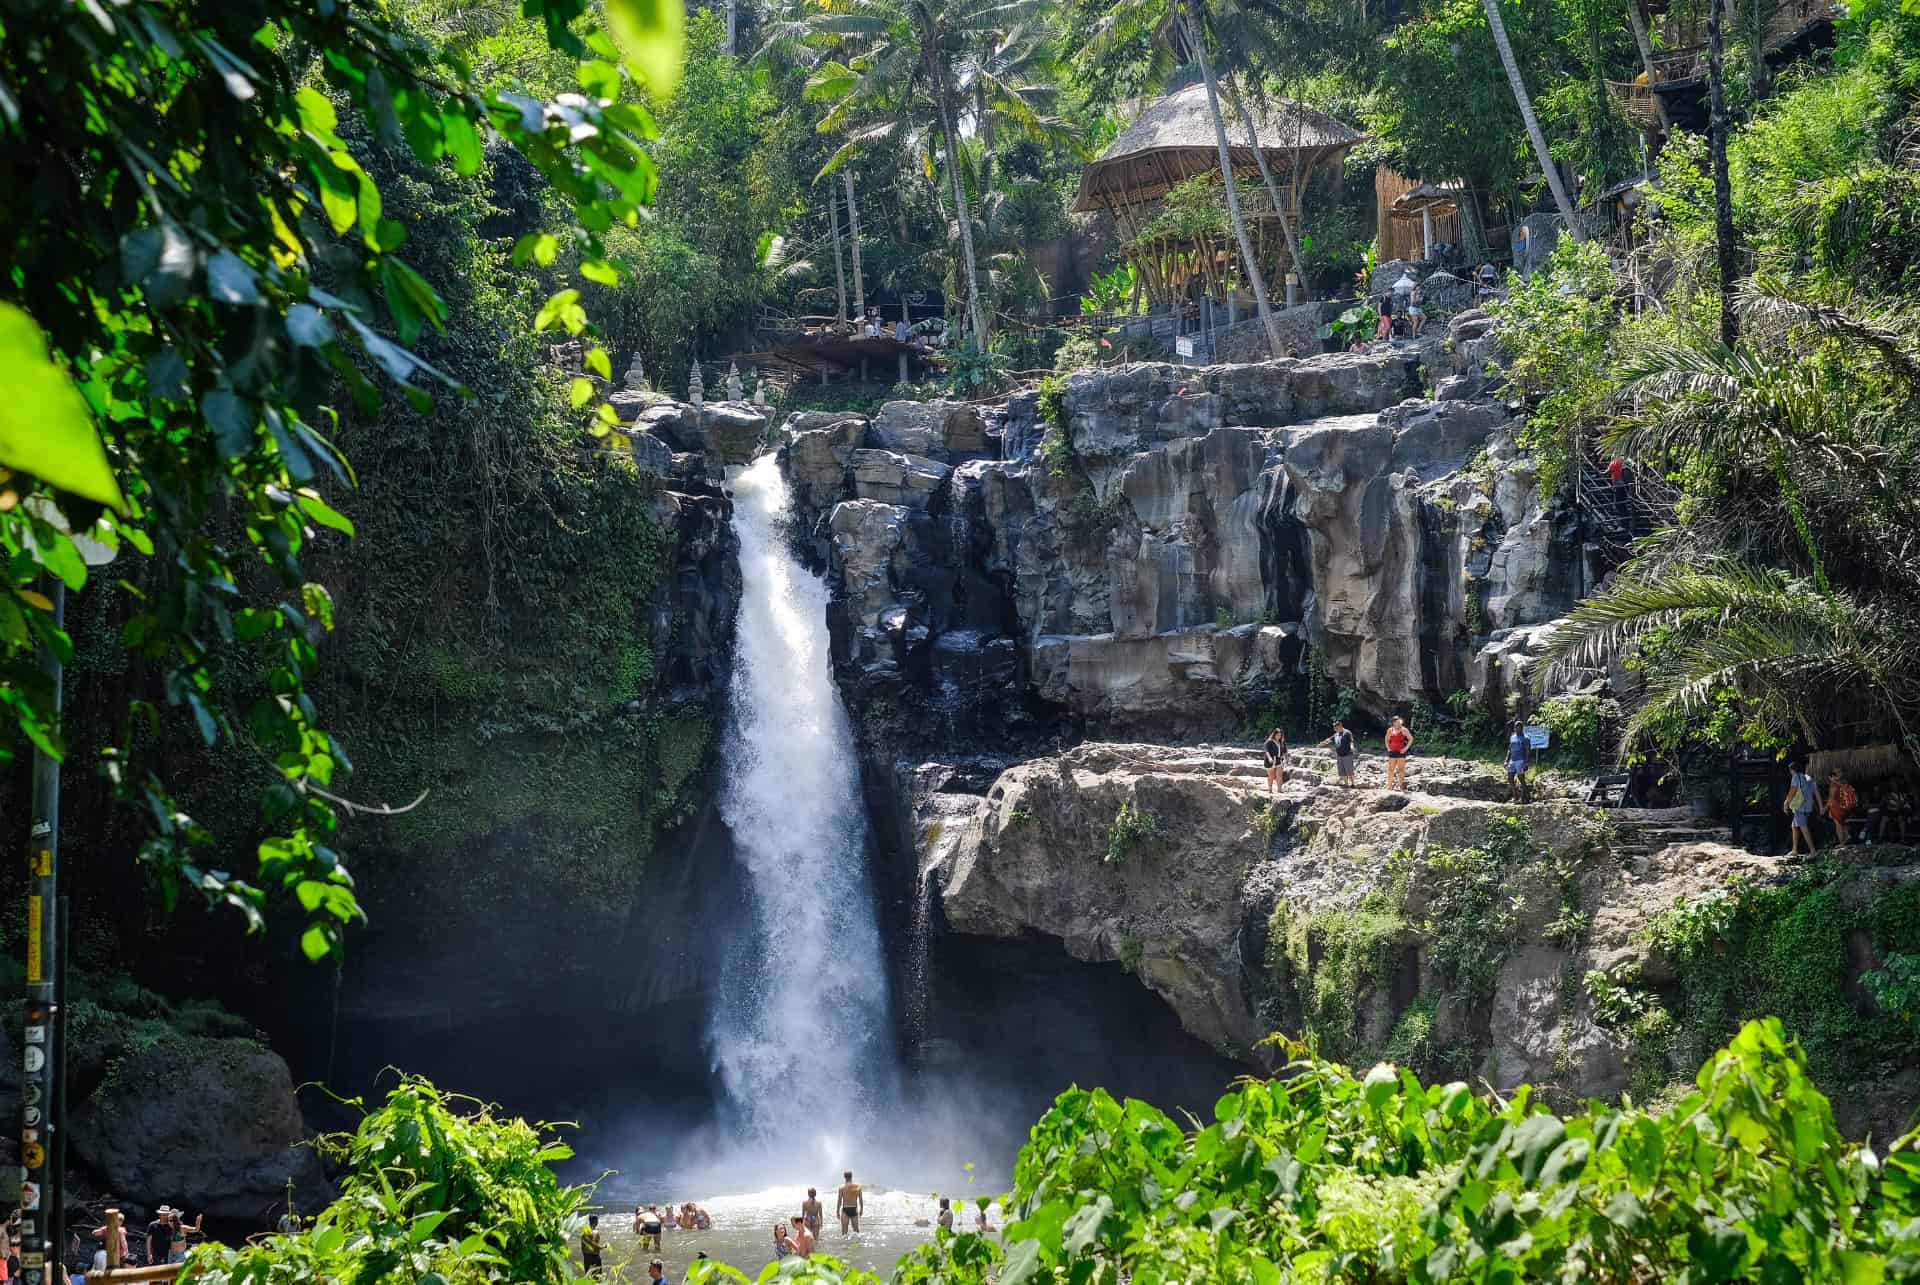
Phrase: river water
[742,1234]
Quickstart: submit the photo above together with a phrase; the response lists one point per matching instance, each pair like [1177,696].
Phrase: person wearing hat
[160,1234]
[182,1231]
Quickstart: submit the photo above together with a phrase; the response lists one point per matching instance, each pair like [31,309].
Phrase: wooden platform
[825,355]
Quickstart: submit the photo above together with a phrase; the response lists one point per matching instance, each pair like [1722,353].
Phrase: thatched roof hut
[1171,145]
[1173,140]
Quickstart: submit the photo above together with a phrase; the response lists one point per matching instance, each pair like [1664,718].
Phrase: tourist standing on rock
[1517,749]
[1275,751]
[1803,797]
[592,1246]
[1416,315]
[852,1203]
[1399,744]
[1385,329]
[1345,761]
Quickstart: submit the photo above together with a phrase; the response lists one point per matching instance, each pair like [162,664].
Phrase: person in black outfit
[1275,751]
[160,1236]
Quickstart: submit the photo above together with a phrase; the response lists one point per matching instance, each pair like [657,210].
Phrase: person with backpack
[1345,761]
[1803,797]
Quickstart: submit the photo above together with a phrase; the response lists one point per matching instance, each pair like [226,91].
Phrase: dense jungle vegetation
[281,278]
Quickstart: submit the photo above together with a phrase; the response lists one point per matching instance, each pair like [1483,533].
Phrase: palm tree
[1198,36]
[1725,239]
[1532,122]
[898,59]
[1794,580]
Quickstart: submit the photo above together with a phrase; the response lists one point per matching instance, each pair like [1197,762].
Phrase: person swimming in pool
[853,1203]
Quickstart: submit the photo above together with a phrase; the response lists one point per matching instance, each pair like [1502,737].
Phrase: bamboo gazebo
[1170,150]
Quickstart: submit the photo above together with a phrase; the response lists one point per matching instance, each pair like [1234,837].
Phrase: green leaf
[230,280]
[1566,1162]
[314,943]
[1857,1267]
[161,261]
[1021,1264]
[308,327]
[598,362]
[463,143]
[1534,1141]
[45,429]
[1718,1250]
[232,419]
[651,35]
[581,391]
[320,511]
[601,271]
[1380,1085]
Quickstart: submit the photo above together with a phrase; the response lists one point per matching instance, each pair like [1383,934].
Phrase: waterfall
[802,1032]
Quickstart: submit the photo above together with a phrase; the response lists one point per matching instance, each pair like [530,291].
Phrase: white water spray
[801,1037]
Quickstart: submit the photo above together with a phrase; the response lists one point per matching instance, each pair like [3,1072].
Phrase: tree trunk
[839,264]
[1254,278]
[1281,210]
[853,237]
[1637,19]
[962,214]
[1531,121]
[1724,237]
[733,23]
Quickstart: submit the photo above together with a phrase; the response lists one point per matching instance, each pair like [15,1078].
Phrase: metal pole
[42,1113]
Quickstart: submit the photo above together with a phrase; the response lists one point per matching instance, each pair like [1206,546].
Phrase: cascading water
[802,1035]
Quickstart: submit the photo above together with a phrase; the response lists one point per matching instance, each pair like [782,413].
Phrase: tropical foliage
[199,269]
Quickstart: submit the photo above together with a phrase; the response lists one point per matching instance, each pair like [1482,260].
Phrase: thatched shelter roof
[1172,140]
[1413,203]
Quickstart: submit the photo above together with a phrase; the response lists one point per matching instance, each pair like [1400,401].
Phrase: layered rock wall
[1156,548]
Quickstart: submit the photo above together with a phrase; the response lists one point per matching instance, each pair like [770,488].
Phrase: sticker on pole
[29,1192]
[41,829]
[33,1155]
[43,862]
[36,1035]
[32,1116]
[33,939]
[36,1057]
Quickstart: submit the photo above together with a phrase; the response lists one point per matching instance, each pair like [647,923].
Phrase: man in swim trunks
[810,1212]
[853,1203]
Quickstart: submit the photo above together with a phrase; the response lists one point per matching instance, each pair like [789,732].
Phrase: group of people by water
[1399,744]
[798,1235]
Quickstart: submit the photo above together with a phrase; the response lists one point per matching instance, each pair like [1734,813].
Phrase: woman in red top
[1399,742]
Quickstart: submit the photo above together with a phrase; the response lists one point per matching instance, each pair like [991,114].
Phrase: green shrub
[1131,826]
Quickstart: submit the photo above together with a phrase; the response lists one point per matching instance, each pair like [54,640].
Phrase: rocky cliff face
[1158,547]
[1435,927]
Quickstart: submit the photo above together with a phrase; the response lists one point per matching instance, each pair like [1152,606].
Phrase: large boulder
[206,1124]
[1444,295]
[733,432]
[896,479]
